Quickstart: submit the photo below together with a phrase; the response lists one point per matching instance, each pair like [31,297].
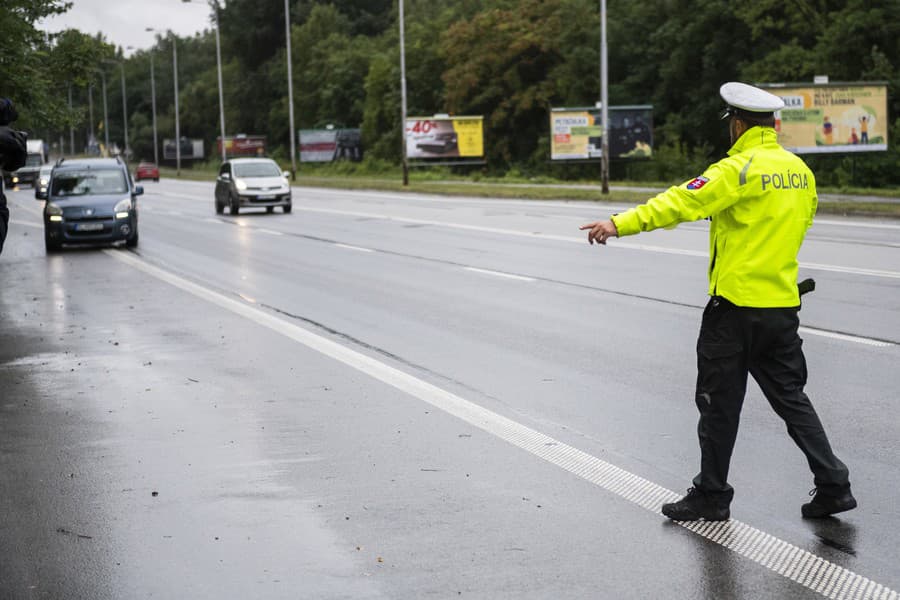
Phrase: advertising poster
[243,145]
[190,149]
[444,137]
[577,133]
[838,117]
[326,145]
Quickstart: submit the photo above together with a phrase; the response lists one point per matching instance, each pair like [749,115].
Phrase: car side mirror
[138,190]
[225,177]
[286,174]
[40,194]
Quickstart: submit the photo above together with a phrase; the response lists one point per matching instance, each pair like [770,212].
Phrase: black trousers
[763,342]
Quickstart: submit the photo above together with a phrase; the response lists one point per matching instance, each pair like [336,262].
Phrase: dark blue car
[90,201]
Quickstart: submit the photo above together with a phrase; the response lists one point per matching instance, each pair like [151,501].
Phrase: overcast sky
[124,22]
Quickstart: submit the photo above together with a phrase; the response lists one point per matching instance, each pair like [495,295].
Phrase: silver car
[252,182]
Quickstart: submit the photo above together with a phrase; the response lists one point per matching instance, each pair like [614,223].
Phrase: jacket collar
[755,136]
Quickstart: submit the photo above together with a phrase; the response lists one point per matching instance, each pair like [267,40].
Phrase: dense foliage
[508,60]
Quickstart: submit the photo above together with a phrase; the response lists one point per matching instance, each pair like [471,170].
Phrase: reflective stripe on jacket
[761,200]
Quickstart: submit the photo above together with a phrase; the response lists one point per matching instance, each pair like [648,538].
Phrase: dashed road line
[846,337]
[349,247]
[499,274]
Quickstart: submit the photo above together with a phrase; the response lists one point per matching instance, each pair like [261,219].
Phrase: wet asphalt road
[365,399]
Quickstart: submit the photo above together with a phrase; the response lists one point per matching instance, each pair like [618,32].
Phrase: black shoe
[823,504]
[695,506]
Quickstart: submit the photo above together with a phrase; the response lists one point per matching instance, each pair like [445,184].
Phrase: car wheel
[219,208]
[270,209]
[156,179]
[51,245]
[235,207]
[286,208]
[132,241]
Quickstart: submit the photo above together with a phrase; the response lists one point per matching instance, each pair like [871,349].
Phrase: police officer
[761,200]
[12,156]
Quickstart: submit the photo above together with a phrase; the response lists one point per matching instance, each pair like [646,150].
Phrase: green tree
[497,66]
[23,58]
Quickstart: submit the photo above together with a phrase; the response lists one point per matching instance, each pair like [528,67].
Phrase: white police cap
[749,99]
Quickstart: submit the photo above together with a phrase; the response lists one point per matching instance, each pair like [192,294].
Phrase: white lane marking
[581,240]
[357,248]
[499,274]
[846,337]
[269,231]
[26,223]
[851,270]
[214,220]
[734,535]
[855,224]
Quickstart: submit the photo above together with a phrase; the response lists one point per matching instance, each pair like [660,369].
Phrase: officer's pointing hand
[600,231]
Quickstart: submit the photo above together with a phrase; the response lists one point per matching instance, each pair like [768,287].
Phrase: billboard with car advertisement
[190,149]
[443,136]
[243,145]
[577,133]
[832,117]
[326,145]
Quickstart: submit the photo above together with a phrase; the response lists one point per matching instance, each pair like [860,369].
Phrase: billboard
[833,117]
[326,145]
[243,145]
[190,149]
[577,133]
[444,137]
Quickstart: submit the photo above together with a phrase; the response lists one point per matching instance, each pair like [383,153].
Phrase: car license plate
[270,197]
[89,226]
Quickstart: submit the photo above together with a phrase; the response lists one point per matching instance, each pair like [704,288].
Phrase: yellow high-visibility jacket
[761,200]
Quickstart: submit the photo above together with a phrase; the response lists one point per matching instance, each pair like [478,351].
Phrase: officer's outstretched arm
[691,201]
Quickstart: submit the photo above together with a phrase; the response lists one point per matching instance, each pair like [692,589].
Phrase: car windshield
[33,160]
[95,181]
[256,169]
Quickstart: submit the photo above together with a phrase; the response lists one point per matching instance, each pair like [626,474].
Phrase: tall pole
[221,96]
[153,105]
[287,30]
[124,111]
[91,130]
[604,100]
[403,97]
[177,125]
[71,128]
[105,115]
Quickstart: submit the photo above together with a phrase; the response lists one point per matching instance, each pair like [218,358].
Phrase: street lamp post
[403,98]
[124,110]
[214,5]
[153,106]
[219,69]
[177,125]
[71,127]
[290,81]
[604,99]
[153,103]
[105,114]
[91,130]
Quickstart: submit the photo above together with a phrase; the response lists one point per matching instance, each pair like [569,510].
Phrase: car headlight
[44,181]
[240,184]
[53,210]
[123,205]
